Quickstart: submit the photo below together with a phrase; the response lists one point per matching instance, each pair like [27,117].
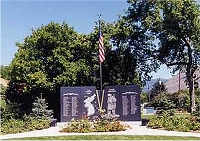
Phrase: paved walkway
[135,130]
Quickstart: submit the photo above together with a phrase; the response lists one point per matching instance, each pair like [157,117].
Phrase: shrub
[101,125]
[195,123]
[21,125]
[144,98]
[171,121]
[115,126]
[34,123]
[157,90]
[163,101]
[40,109]
[178,123]
[12,126]
[13,123]
[155,122]
[197,112]
[166,113]
[9,111]
[98,125]
[80,126]
[178,100]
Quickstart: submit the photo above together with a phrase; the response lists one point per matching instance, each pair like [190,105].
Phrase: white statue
[111,104]
[89,106]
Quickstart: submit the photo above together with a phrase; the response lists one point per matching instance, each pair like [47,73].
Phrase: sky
[19,17]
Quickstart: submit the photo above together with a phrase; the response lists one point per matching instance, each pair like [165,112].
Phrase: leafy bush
[13,126]
[9,110]
[13,123]
[80,126]
[5,72]
[162,101]
[166,113]
[179,100]
[34,123]
[155,123]
[178,123]
[170,121]
[116,126]
[195,123]
[144,97]
[99,125]
[197,112]
[22,125]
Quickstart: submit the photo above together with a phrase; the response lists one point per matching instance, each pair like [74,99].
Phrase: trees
[175,26]
[134,46]
[182,40]
[144,98]
[40,109]
[120,67]
[4,70]
[128,54]
[120,64]
[157,90]
[52,56]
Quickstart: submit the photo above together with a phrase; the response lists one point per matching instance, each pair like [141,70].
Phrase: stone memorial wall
[77,102]
[127,101]
[120,101]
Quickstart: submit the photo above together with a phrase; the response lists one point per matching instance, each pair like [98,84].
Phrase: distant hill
[149,84]
[172,84]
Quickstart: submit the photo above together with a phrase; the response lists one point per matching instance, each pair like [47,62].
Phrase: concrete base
[62,124]
[133,123]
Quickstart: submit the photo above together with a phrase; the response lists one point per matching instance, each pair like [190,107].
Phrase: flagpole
[101,88]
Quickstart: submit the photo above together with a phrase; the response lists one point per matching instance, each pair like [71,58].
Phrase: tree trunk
[190,74]
[192,94]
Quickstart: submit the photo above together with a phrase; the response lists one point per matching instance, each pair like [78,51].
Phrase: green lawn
[147,116]
[150,116]
[107,137]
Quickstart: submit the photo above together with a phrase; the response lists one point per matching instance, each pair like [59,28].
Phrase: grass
[108,137]
[185,115]
[147,116]
[178,114]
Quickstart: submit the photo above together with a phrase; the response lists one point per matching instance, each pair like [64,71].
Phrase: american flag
[101,48]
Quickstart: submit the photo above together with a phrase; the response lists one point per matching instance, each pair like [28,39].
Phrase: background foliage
[54,55]
[150,33]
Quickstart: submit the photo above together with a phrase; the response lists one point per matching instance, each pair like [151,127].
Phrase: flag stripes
[101,48]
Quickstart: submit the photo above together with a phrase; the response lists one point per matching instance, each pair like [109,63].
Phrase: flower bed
[99,125]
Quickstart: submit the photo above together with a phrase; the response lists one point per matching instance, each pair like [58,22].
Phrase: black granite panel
[120,101]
